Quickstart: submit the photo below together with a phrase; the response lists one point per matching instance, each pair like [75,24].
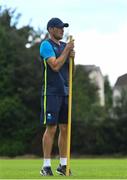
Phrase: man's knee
[51,129]
[63,128]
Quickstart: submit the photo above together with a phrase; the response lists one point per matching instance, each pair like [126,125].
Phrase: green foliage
[85,98]
[5,18]
[12,148]
[120,110]
[15,129]
[19,88]
[105,138]
[11,110]
[108,94]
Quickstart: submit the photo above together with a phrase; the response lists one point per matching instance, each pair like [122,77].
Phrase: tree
[108,94]
[20,76]
[85,97]
[120,110]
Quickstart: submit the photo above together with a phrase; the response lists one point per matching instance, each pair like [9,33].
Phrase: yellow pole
[69,114]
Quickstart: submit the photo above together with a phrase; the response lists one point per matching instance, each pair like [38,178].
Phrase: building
[119,87]
[96,77]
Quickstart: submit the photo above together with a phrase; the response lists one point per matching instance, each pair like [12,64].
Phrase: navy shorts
[54,110]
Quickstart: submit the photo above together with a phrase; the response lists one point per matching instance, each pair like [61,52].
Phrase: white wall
[98,79]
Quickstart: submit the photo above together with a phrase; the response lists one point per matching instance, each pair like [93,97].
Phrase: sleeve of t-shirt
[46,50]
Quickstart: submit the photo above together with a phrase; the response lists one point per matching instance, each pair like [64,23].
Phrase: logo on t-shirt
[49,116]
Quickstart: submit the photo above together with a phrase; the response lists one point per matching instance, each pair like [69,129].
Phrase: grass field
[81,169]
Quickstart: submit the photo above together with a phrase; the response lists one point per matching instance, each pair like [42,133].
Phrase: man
[55,58]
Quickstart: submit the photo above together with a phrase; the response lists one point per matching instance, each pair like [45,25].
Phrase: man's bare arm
[57,63]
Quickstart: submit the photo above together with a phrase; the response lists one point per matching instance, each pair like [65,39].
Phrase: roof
[90,68]
[121,81]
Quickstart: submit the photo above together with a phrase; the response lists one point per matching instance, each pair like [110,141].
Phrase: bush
[12,148]
[17,128]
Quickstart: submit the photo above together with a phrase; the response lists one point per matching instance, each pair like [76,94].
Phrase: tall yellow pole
[69,114]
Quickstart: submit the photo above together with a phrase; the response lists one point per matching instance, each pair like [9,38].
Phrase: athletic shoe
[46,171]
[61,170]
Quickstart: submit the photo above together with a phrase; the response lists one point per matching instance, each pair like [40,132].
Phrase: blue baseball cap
[56,22]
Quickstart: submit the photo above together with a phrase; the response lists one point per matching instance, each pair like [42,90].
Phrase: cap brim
[66,25]
[62,25]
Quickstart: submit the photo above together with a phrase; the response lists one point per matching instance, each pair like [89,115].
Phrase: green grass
[81,169]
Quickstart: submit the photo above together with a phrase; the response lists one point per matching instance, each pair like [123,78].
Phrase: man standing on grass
[54,109]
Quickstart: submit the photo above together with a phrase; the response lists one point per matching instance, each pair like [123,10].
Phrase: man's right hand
[70,45]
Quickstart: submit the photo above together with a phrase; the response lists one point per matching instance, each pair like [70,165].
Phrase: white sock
[46,162]
[63,161]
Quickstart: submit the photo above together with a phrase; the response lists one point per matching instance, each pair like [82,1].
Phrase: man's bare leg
[62,143]
[47,141]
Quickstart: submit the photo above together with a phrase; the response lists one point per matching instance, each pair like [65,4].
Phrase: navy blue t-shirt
[54,83]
